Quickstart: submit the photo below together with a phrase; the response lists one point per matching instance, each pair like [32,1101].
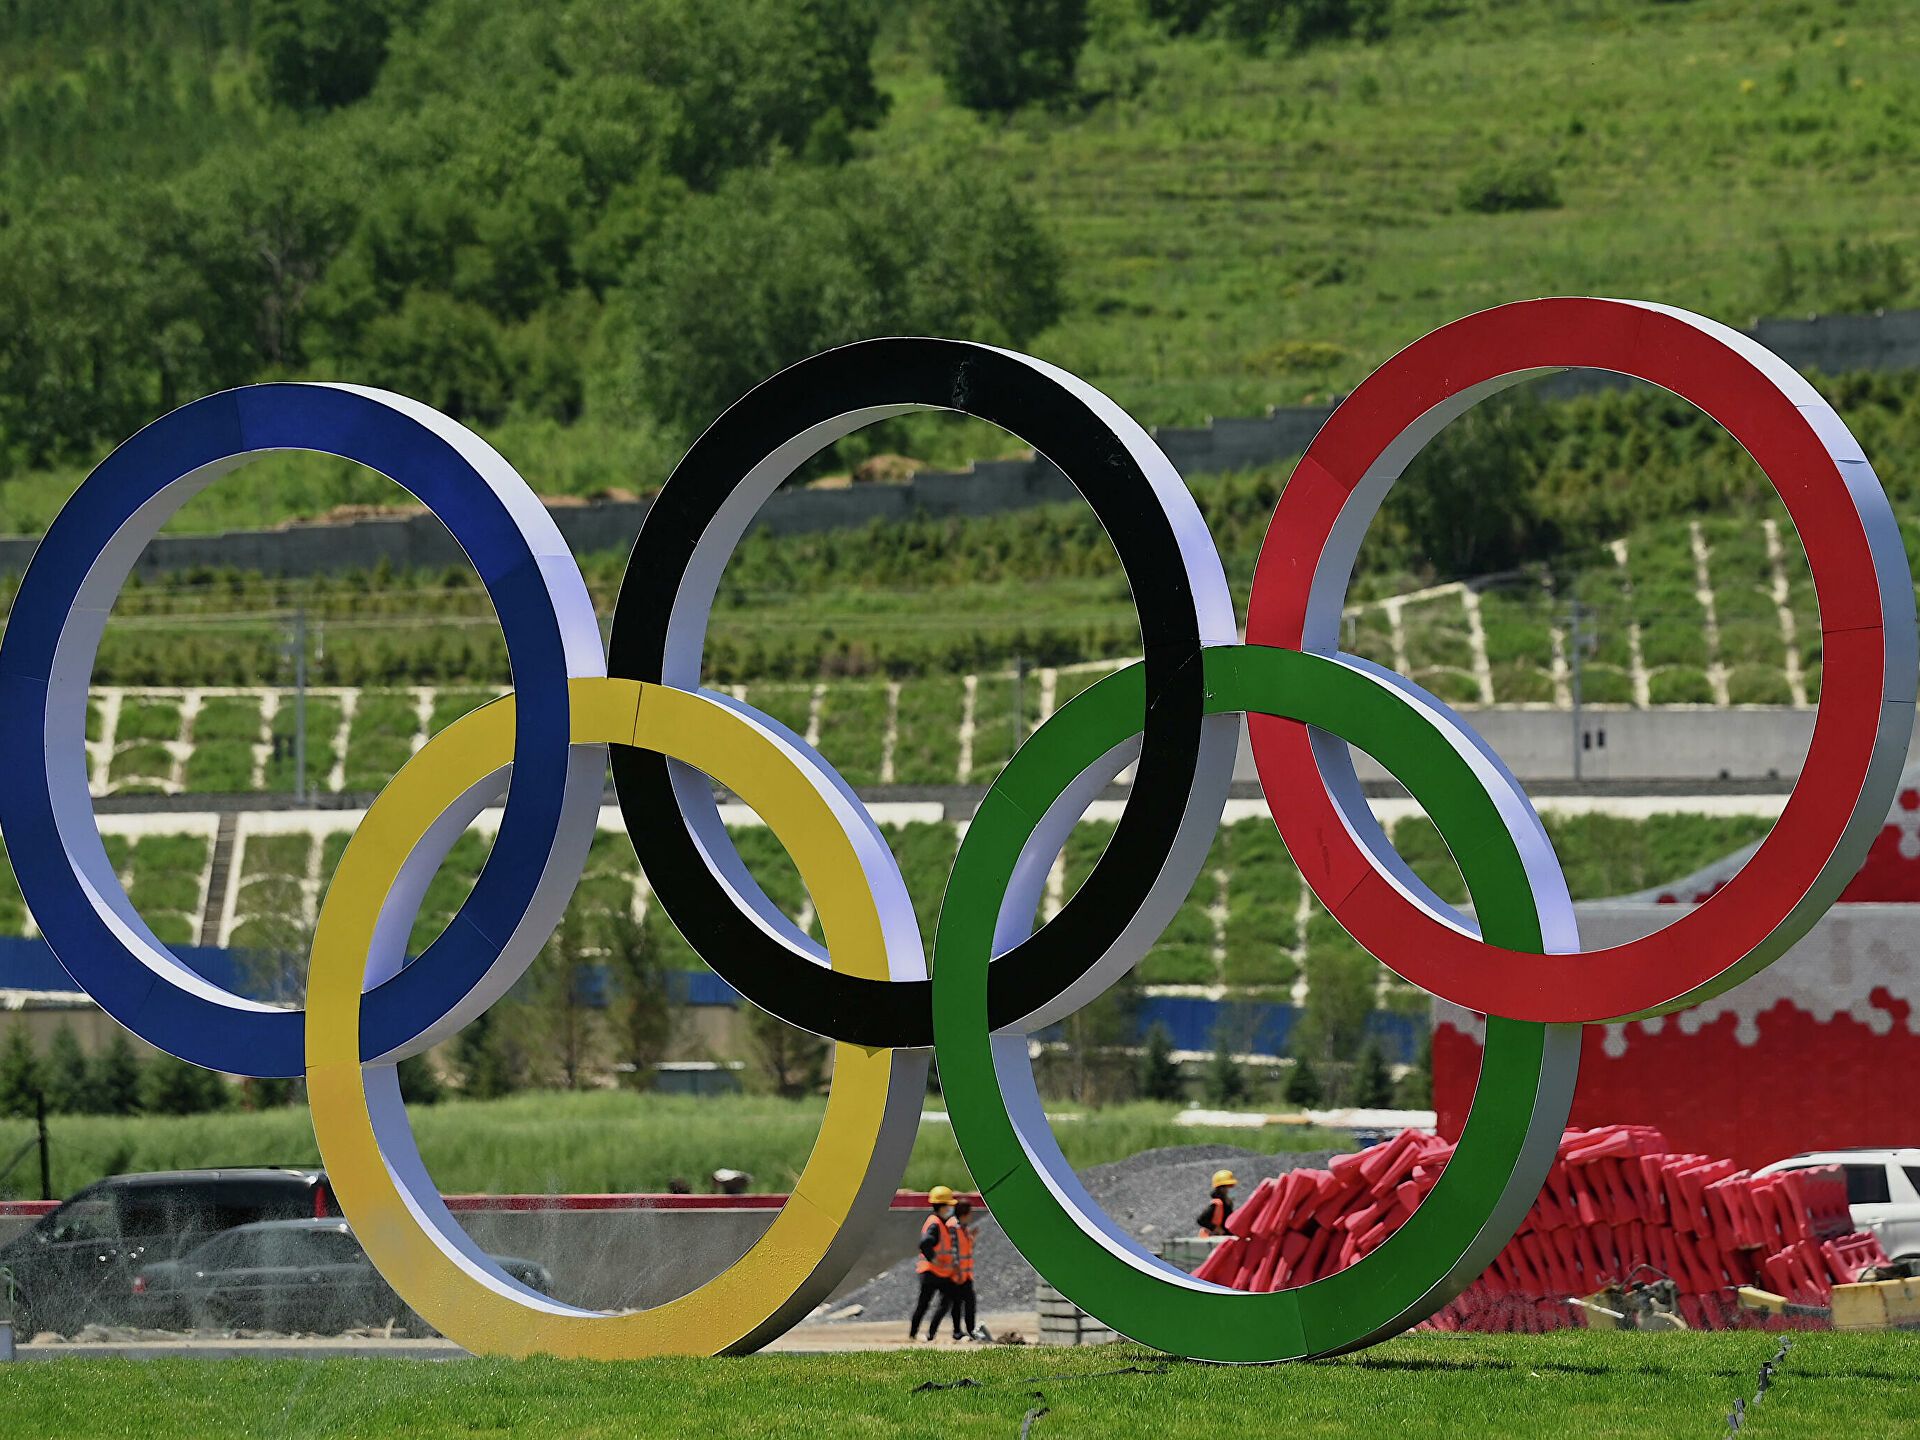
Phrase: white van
[1883,1192]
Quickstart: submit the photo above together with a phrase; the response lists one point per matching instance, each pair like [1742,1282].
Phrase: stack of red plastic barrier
[1617,1205]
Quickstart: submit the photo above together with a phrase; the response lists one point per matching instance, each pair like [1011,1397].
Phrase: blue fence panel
[28,964]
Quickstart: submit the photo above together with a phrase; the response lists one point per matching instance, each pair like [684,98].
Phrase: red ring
[1866,697]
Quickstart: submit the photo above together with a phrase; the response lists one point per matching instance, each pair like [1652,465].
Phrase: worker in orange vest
[1213,1219]
[935,1265]
[966,1319]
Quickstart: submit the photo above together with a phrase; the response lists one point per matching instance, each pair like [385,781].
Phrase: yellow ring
[397,1214]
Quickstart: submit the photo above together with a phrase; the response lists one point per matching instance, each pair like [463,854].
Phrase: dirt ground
[890,1333]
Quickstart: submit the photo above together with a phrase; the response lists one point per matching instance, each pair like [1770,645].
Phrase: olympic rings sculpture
[1173,716]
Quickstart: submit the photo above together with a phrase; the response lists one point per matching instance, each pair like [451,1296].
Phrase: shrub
[220,767]
[1605,685]
[1519,684]
[1499,186]
[1758,685]
[1289,357]
[226,717]
[1679,685]
[148,720]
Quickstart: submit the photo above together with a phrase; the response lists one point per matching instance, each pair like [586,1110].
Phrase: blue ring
[351,425]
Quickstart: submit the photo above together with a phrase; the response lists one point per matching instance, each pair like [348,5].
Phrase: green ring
[1520,1104]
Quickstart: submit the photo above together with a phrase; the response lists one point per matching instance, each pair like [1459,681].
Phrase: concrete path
[814,1337]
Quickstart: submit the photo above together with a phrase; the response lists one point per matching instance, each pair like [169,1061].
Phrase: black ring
[1025,399]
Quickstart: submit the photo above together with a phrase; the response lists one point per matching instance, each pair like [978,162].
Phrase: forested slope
[584,225]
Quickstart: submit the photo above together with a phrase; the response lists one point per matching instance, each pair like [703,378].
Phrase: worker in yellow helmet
[1213,1219]
[935,1264]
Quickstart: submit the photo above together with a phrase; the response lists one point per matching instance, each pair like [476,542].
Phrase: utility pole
[1576,645]
[300,705]
[46,1166]
[1019,700]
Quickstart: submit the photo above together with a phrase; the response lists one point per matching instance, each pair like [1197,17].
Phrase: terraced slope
[1248,928]
[1701,612]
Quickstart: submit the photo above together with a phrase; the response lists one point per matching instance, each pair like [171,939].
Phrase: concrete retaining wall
[1668,744]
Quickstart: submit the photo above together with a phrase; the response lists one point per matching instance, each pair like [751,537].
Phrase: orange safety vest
[963,1253]
[1217,1217]
[942,1262]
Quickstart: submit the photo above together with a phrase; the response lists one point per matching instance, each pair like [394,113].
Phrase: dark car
[290,1276]
[76,1265]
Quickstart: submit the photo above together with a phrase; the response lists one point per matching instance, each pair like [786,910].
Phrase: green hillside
[1687,572]
[583,225]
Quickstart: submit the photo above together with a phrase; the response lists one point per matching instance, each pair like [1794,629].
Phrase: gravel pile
[1153,1195]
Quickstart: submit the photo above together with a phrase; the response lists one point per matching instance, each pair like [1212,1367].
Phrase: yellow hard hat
[1223,1177]
[940,1195]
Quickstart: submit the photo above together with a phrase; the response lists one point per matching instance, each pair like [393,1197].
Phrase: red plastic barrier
[1616,1203]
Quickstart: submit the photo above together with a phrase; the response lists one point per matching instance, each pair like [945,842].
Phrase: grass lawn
[600,1141]
[1575,1384]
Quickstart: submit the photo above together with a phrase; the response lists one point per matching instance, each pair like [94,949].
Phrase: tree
[442,351]
[266,225]
[491,1061]
[65,1071]
[793,1060]
[75,373]
[114,1079]
[1259,23]
[1095,1065]
[1467,504]
[420,1082]
[559,995]
[750,76]
[1226,1078]
[1159,1071]
[173,1087]
[1303,1086]
[321,54]
[269,1092]
[783,263]
[22,1081]
[1415,1090]
[1372,1081]
[642,1015]
[1340,994]
[997,55]
[709,86]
